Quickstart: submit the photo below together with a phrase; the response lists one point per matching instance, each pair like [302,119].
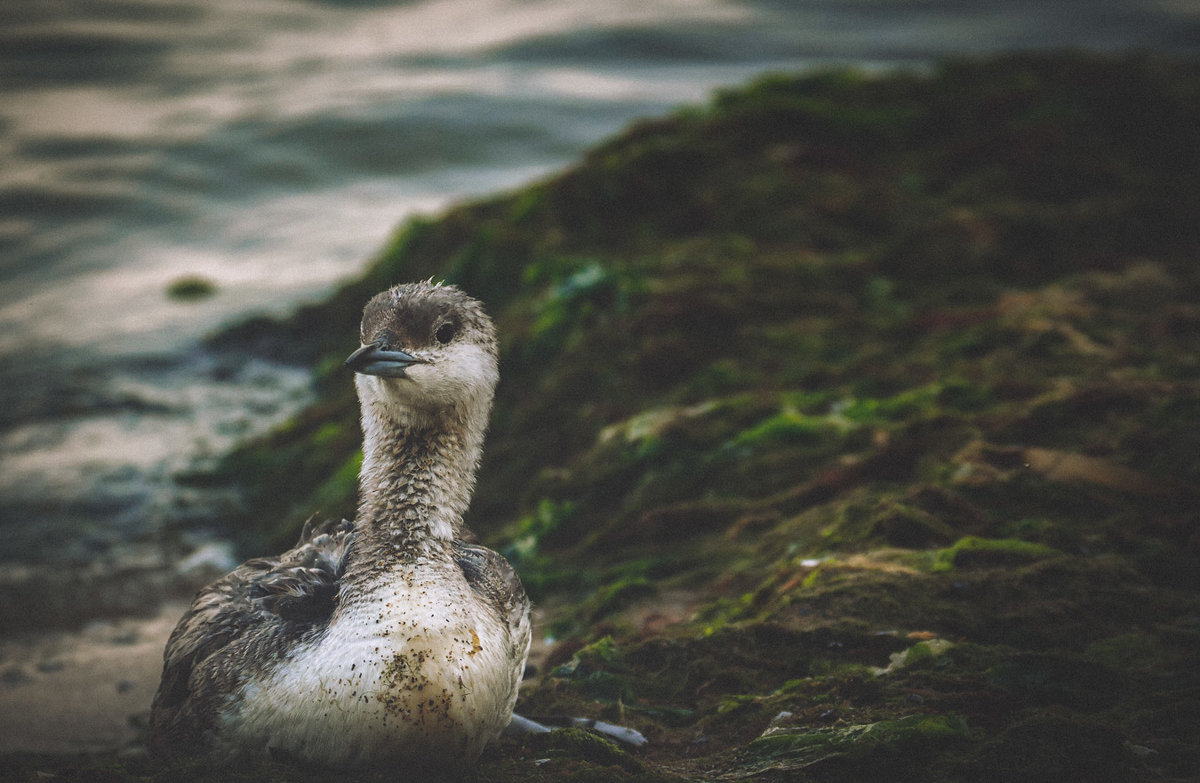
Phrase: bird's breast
[413,669]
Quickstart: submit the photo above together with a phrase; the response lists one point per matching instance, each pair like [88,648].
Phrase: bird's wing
[492,578]
[221,613]
[299,588]
[303,585]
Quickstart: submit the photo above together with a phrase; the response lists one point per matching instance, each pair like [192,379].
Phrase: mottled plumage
[256,613]
[389,638]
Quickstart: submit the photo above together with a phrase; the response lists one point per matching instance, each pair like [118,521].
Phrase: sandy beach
[88,690]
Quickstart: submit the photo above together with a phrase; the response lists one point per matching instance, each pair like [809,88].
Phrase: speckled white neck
[419,465]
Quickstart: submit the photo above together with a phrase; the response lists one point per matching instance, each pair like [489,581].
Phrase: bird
[388,639]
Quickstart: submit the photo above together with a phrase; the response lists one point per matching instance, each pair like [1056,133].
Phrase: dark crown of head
[420,314]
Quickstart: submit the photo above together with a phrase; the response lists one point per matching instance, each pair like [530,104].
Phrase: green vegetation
[191,288]
[839,371]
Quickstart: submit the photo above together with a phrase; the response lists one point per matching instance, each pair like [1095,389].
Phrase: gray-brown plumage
[389,638]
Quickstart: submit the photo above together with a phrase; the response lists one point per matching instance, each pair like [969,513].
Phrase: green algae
[618,595]
[801,748]
[973,552]
[1052,746]
[589,746]
[921,653]
[191,288]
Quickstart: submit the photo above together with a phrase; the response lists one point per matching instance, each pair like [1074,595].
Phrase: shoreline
[84,691]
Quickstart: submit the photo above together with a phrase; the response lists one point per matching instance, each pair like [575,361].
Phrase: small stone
[14,675]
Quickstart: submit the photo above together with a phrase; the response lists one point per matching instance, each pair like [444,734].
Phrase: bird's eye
[445,333]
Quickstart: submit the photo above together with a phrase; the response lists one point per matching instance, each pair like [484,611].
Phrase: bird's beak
[373,359]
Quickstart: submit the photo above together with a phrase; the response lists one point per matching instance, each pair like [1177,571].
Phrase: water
[270,146]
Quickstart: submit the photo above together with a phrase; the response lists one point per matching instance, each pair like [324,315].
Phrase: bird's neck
[416,481]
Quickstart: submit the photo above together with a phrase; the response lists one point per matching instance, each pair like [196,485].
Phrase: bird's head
[428,352]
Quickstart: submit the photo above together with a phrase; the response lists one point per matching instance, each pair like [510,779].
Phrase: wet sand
[68,692]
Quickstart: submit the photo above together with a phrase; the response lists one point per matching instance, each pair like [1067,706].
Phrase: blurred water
[271,145]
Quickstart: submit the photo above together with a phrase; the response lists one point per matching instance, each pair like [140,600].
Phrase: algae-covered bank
[848,430]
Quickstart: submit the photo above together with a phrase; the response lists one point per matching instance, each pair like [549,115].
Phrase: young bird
[383,640]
